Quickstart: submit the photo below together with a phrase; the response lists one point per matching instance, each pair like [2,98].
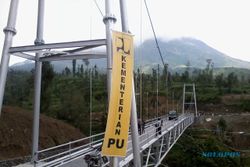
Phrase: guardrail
[68,152]
[171,130]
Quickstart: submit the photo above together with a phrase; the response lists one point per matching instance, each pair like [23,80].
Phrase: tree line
[66,95]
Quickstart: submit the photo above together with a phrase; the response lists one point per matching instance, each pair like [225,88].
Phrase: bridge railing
[65,153]
[85,145]
[170,130]
[69,149]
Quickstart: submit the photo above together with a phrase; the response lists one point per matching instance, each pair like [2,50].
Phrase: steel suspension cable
[152,26]
[141,93]
[98,7]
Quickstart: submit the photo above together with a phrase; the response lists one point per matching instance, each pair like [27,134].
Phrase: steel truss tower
[189,94]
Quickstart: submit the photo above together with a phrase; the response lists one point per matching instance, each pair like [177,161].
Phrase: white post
[183,103]
[166,66]
[9,31]
[141,94]
[157,92]
[133,118]
[38,78]
[109,20]
[90,102]
[147,107]
[195,104]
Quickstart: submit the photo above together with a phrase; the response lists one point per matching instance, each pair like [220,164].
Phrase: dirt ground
[237,133]
[16,132]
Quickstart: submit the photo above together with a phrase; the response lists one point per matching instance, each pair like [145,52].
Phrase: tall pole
[195,104]
[109,20]
[183,102]
[9,31]
[38,78]
[141,79]
[90,102]
[166,67]
[141,114]
[173,100]
[133,118]
[157,92]
[147,106]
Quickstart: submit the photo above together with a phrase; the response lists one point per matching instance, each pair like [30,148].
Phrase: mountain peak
[180,51]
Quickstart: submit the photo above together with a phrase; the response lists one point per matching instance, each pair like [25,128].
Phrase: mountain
[183,51]
[176,52]
[59,66]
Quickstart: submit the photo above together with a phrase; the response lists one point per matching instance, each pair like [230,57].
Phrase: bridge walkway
[154,146]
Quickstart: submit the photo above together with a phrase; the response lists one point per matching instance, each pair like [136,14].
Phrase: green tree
[74,67]
[222,125]
[232,80]
[47,78]
[219,82]
[66,71]
[185,76]
[153,79]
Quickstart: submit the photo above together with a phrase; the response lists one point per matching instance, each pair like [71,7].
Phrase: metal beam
[134,123]
[37,83]
[87,43]
[25,56]
[196,114]
[162,140]
[109,21]
[73,56]
[183,100]
[9,31]
[149,151]
[189,122]
[81,49]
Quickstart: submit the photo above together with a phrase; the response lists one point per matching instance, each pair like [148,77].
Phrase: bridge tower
[189,98]
[70,50]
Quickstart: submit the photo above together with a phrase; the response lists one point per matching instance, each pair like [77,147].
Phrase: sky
[222,24]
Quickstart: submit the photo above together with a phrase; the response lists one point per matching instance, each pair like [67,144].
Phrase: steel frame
[191,94]
[150,147]
[88,44]
[159,149]
[48,52]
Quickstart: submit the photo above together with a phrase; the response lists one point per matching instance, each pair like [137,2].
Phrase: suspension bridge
[146,149]
[154,145]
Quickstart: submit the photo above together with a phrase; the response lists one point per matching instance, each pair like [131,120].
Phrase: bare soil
[16,132]
[237,133]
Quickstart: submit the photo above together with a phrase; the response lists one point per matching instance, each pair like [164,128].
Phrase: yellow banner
[116,134]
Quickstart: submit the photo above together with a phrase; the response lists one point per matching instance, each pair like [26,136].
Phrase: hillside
[240,72]
[176,52]
[16,132]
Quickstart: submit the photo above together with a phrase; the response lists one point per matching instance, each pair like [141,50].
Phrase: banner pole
[133,118]
[109,20]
